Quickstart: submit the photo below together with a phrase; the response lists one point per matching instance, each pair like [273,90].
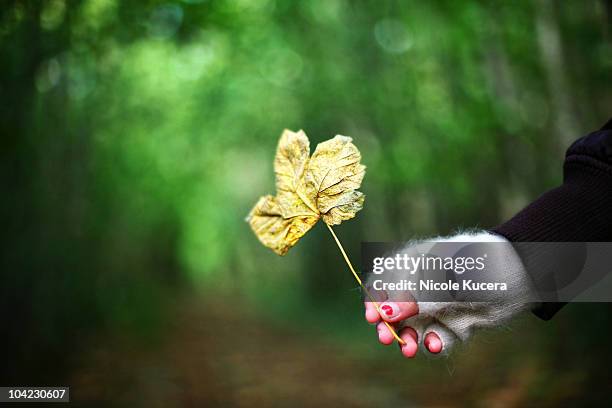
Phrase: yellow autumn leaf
[333,175]
[308,188]
[273,229]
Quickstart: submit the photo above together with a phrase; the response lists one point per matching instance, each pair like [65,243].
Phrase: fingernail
[390,310]
[434,345]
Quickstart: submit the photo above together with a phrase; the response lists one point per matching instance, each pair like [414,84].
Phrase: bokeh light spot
[392,36]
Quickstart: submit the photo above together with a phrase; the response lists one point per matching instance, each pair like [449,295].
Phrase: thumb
[397,311]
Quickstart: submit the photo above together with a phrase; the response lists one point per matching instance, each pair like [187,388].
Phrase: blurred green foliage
[136,135]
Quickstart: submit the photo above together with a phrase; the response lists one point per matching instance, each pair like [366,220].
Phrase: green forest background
[137,135]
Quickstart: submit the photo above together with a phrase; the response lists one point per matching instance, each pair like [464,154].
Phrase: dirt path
[209,358]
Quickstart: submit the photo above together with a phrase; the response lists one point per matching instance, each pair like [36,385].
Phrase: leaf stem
[348,262]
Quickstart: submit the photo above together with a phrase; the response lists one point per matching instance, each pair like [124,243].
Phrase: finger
[433,343]
[397,311]
[410,346]
[384,334]
[371,314]
[439,339]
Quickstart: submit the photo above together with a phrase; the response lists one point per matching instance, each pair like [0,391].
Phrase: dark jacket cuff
[580,210]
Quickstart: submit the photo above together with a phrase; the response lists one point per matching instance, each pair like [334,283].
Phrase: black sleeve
[580,210]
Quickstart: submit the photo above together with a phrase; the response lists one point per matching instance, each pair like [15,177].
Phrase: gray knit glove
[453,321]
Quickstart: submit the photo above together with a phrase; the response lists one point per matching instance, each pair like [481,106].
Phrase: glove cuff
[461,318]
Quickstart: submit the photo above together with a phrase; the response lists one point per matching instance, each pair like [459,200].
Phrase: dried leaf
[333,175]
[273,229]
[308,188]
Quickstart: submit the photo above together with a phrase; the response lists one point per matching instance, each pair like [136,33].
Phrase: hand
[436,326]
[395,313]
